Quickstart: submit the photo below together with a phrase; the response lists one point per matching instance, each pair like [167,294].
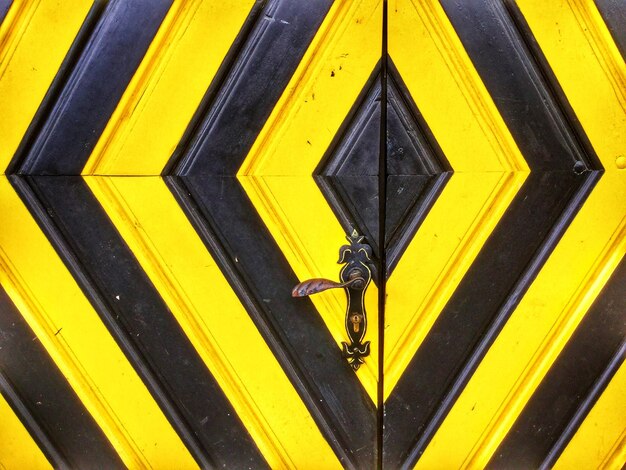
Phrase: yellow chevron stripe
[276,174]
[309,235]
[600,441]
[17,447]
[587,64]
[161,98]
[71,331]
[179,265]
[324,87]
[34,38]
[488,171]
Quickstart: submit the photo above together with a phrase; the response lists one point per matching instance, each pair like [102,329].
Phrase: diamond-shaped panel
[416,169]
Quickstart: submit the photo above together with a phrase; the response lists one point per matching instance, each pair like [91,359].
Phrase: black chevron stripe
[4,8]
[252,86]
[225,78]
[44,401]
[231,229]
[262,278]
[102,63]
[566,120]
[138,319]
[475,314]
[573,384]
[569,431]
[562,175]
[614,15]
[56,87]
[67,127]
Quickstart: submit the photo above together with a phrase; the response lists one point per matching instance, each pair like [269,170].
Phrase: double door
[175,169]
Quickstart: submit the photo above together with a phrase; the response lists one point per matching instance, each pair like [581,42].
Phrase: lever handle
[313,286]
[355,276]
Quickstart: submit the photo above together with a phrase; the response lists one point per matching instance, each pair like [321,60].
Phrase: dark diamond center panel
[416,168]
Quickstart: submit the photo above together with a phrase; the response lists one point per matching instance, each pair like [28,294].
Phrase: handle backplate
[355,276]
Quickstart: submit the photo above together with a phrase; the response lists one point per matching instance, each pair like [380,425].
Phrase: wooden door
[504,321]
[157,212]
[172,169]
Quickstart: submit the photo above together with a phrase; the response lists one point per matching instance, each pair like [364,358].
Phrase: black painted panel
[94,87]
[574,382]
[262,278]
[347,174]
[355,148]
[139,320]
[411,146]
[478,309]
[416,170]
[614,15]
[44,401]
[354,200]
[257,79]
[402,192]
[4,8]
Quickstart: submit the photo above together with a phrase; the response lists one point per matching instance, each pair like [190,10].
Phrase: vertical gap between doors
[382,201]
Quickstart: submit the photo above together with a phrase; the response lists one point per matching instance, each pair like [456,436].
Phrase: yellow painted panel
[160,100]
[185,274]
[529,343]
[319,96]
[488,171]
[71,331]
[583,57]
[307,232]
[437,259]
[600,441]
[277,172]
[17,447]
[447,89]
[34,38]
[589,68]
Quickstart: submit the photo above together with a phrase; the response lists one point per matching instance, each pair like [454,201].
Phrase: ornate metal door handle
[355,276]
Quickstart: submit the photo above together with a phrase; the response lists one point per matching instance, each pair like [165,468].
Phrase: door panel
[486,170]
[472,390]
[171,170]
[18,447]
[277,173]
[29,375]
[189,279]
